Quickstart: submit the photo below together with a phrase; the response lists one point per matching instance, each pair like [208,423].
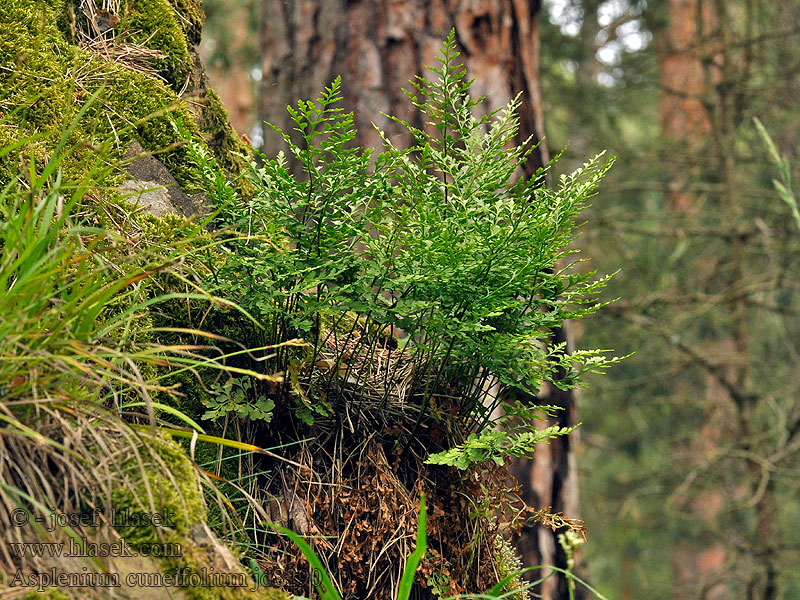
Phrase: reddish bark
[685,119]
[377,46]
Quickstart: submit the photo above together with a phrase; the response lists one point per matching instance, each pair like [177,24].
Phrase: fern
[442,241]
[493,444]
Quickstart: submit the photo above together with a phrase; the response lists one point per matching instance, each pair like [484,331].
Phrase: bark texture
[683,88]
[550,479]
[685,119]
[377,46]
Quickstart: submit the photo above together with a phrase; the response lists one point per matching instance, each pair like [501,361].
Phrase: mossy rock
[46,78]
[56,94]
[179,502]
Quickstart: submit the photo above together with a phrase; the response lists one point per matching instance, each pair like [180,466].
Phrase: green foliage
[441,245]
[410,570]
[497,591]
[45,77]
[80,359]
[569,540]
[784,185]
[509,587]
[325,587]
[709,260]
[493,444]
[509,567]
[231,397]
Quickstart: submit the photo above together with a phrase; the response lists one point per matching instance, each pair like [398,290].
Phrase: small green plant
[784,184]
[437,258]
[569,540]
[324,585]
[233,397]
[509,567]
[516,439]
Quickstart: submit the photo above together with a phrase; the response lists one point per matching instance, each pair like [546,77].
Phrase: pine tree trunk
[684,117]
[550,479]
[699,62]
[232,77]
[685,123]
[377,46]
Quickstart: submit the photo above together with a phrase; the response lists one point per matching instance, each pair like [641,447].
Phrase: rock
[218,555]
[153,186]
[133,573]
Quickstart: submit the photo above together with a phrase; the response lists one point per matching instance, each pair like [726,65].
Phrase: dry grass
[98,34]
[75,356]
[354,491]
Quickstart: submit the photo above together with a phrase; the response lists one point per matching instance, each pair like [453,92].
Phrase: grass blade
[410,571]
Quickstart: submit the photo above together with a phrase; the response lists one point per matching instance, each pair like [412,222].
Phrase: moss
[31,96]
[150,107]
[44,85]
[192,18]
[181,502]
[45,81]
[179,498]
[223,141]
[162,230]
[156,24]
[509,565]
[48,594]
[273,594]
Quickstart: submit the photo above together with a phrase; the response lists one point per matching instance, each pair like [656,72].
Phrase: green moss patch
[55,95]
[155,23]
[45,80]
[180,506]
[192,18]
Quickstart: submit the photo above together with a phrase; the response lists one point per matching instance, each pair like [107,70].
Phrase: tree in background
[691,470]
[230,52]
[377,47]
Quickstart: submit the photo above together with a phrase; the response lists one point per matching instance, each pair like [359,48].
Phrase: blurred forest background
[689,469]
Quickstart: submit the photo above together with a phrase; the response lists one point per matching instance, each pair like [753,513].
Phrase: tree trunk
[230,75]
[704,70]
[550,479]
[685,120]
[377,46]
[685,124]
